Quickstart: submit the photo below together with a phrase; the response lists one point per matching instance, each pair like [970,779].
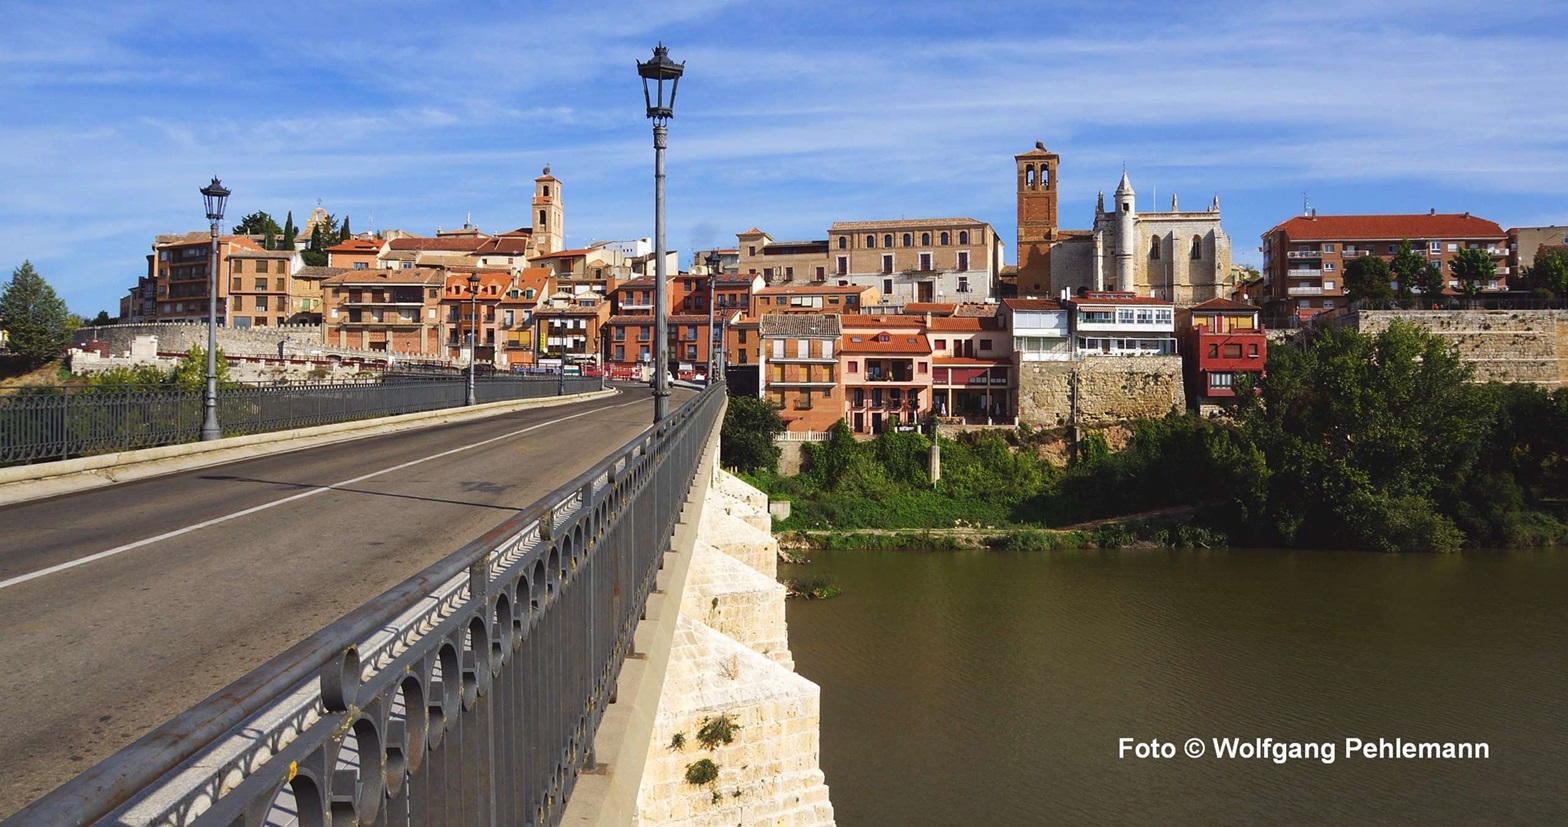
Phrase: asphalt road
[212,572]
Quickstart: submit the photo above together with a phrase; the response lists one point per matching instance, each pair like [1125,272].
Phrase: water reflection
[991,688]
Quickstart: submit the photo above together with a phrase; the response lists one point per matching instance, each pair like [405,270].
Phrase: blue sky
[792,115]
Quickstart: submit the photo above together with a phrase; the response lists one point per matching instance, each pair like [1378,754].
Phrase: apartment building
[396,310]
[825,298]
[1525,242]
[885,368]
[1039,328]
[268,287]
[781,262]
[799,373]
[463,311]
[972,374]
[1304,258]
[1121,324]
[356,254]
[179,267]
[569,326]
[917,260]
[515,326]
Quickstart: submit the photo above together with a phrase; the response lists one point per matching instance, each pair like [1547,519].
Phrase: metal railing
[43,424]
[469,694]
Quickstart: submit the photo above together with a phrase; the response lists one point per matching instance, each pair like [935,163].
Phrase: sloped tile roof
[1389,227]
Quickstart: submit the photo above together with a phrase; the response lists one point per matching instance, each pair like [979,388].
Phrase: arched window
[1197,248]
[925,239]
[963,236]
[909,240]
[944,239]
[1029,176]
[1154,248]
[1045,177]
[542,220]
[887,240]
[871,241]
[842,242]
[546,190]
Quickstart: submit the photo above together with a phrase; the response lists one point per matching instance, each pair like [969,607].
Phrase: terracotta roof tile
[445,244]
[419,275]
[899,341]
[1389,227]
[1221,303]
[1033,304]
[902,223]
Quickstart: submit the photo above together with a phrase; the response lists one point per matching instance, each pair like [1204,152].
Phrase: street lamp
[473,334]
[659,70]
[713,260]
[216,198]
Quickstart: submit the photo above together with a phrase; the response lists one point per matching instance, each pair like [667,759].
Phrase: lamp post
[473,334]
[659,70]
[713,260]
[216,198]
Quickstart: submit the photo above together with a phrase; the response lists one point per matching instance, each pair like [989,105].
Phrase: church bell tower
[1036,219]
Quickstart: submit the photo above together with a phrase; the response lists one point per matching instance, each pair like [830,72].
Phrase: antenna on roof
[1306,205]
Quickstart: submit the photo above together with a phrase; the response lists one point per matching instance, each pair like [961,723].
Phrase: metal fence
[43,424]
[467,695]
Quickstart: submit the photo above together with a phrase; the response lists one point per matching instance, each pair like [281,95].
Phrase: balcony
[802,383]
[1303,273]
[1304,254]
[1304,290]
[803,360]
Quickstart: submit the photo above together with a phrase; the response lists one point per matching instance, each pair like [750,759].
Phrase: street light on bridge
[473,333]
[715,361]
[216,198]
[660,70]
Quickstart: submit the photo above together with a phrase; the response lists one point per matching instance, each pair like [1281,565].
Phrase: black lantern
[216,197]
[659,70]
[713,258]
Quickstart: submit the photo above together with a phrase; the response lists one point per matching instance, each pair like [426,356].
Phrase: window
[871,241]
[239,302]
[887,240]
[887,267]
[542,221]
[1328,285]
[1328,266]
[821,273]
[1154,249]
[887,287]
[925,261]
[751,251]
[278,286]
[620,334]
[789,272]
[925,239]
[854,367]
[1328,304]
[1327,248]
[1221,380]
[843,242]
[803,348]
[909,240]
[236,284]
[843,265]
[1434,247]
[1452,247]
[360,265]
[985,344]
[261,265]
[620,353]
[941,344]
[778,348]
[1393,248]
[261,303]
[1214,351]
[963,259]
[1233,350]
[963,236]
[1252,351]
[1197,248]
[261,284]
[740,336]
[944,238]
[963,284]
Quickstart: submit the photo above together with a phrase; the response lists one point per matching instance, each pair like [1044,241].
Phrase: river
[993,688]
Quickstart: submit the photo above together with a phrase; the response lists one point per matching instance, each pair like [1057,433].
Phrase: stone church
[1182,256]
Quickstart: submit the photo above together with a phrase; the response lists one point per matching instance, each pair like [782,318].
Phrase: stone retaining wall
[299,340]
[1502,345]
[1110,389]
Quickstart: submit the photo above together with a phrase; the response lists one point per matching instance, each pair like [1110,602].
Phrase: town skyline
[415,120]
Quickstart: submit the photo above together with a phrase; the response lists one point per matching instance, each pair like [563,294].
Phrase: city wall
[1502,345]
[1109,389]
[299,341]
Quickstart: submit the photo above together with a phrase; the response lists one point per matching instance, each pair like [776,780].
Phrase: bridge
[399,625]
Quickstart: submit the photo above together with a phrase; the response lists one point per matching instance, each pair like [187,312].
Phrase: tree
[1413,273]
[103,318]
[289,232]
[1472,266]
[1549,272]
[191,372]
[34,318]
[746,441]
[345,233]
[1363,437]
[1368,279]
[257,223]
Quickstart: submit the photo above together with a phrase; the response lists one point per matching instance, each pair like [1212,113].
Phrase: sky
[791,115]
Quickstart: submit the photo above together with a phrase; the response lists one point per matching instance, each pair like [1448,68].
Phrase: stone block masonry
[299,340]
[1528,346]
[1110,389]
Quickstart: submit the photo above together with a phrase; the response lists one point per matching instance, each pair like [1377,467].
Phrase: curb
[22,483]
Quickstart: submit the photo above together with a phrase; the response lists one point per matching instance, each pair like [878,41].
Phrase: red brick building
[1304,258]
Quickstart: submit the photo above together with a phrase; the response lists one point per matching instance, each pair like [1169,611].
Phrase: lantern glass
[660,70]
[217,197]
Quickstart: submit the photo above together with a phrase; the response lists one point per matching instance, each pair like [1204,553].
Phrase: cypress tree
[289,231]
[345,234]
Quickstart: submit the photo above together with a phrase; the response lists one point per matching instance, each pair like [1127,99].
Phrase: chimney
[1433,212]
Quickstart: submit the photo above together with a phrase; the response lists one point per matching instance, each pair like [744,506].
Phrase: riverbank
[1140,532]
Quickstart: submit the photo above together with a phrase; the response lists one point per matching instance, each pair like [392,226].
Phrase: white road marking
[5,584]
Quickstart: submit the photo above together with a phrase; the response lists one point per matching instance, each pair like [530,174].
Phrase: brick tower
[549,214]
[1036,219]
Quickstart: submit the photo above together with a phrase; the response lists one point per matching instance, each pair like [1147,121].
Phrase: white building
[1039,328]
[1122,324]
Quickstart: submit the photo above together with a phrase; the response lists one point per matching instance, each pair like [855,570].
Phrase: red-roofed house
[516,324]
[1304,258]
[356,253]
[972,369]
[458,305]
[886,373]
[1223,338]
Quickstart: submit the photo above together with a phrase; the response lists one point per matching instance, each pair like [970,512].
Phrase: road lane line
[5,584]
